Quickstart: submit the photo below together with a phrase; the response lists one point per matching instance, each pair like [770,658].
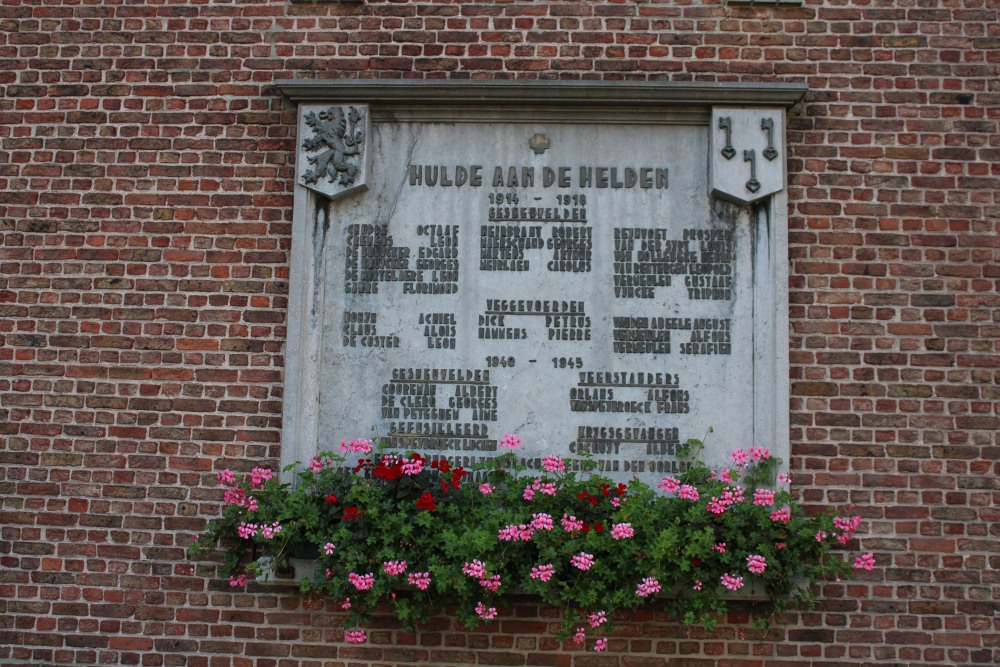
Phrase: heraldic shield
[747,153]
[334,155]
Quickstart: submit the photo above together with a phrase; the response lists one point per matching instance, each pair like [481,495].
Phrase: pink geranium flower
[552,463]
[756,564]
[394,567]
[546,488]
[484,613]
[491,583]
[419,579]
[247,530]
[518,533]
[740,457]
[362,582]
[510,441]
[688,492]
[846,528]
[357,446]
[648,587]
[476,569]
[622,531]
[571,523]
[412,467]
[865,562]
[670,484]
[258,476]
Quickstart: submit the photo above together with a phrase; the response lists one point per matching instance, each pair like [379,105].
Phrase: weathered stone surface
[575,284]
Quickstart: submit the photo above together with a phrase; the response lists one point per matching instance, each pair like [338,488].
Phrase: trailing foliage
[419,534]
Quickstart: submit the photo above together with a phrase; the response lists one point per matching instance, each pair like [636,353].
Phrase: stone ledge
[542,93]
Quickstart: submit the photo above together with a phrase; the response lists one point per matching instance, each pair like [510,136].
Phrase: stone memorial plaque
[574,283]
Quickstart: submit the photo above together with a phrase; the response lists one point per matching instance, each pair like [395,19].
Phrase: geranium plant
[416,533]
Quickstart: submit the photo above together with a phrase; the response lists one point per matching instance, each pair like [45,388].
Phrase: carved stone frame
[639,103]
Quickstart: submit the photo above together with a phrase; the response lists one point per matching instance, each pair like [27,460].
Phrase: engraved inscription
[372,258]
[586,300]
[440,330]
[572,249]
[646,259]
[439,409]
[641,335]
[709,336]
[711,277]
[503,247]
[362,328]
[629,392]
[618,449]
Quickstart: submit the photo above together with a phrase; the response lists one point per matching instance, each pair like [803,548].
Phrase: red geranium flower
[599,526]
[426,502]
[331,498]
[352,513]
[389,473]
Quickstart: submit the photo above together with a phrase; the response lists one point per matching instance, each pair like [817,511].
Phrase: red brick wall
[145,200]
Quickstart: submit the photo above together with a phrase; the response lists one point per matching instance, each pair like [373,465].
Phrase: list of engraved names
[594,307]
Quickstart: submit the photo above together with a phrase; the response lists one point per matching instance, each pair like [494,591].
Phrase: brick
[145,160]
[814,389]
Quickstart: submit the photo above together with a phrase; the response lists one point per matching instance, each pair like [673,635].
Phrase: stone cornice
[524,93]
